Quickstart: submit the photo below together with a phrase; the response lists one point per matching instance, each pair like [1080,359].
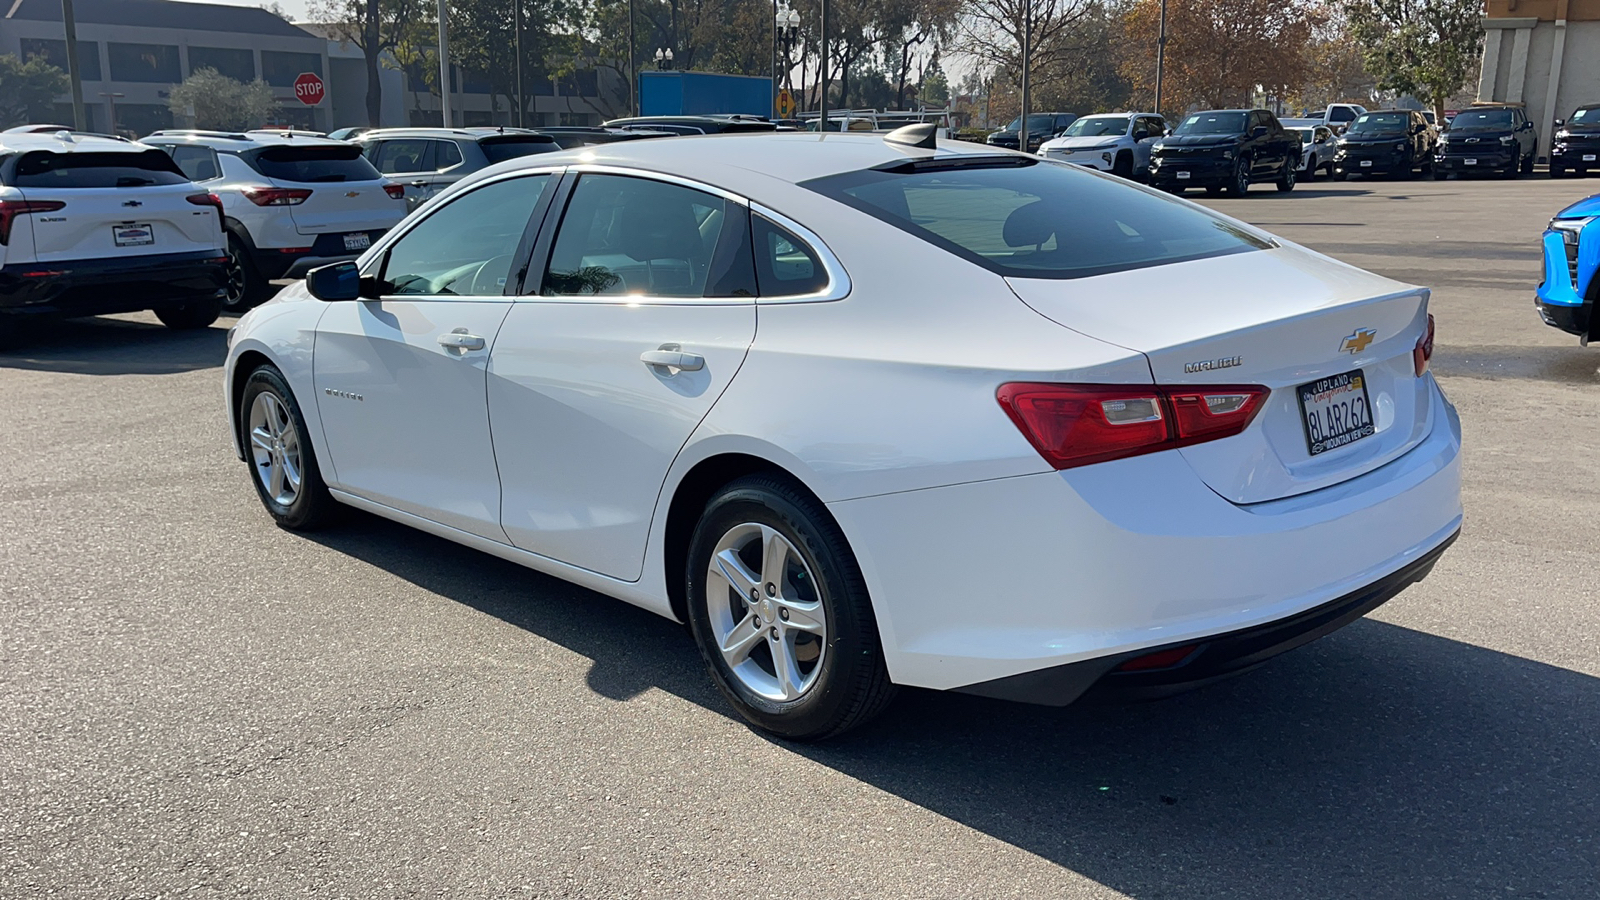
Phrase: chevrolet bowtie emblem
[1357,343]
[352,193]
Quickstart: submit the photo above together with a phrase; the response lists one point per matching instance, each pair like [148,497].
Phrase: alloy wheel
[765,612]
[234,270]
[275,448]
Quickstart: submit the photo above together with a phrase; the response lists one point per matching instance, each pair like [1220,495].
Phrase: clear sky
[295,8]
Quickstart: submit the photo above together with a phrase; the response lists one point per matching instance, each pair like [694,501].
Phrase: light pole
[111,108]
[444,66]
[822,74]
[1023,133]
[633,66]
[520,104]
[1161,53]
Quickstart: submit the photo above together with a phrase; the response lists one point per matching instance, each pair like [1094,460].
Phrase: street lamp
[787,28]
[664,58]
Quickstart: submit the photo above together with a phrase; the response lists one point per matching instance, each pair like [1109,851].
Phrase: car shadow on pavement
[118,346]
[1565,365]
[1377,762]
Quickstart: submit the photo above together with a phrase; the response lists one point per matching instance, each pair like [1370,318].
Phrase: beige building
[1544,54]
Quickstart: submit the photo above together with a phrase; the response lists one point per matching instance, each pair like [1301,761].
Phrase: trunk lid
[1279,318]
[347,193]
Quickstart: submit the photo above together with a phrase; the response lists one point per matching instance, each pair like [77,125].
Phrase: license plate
[132,235]
[357,241]
[1335,411]
[1366,164]
[1183,176]
[1588,157]
[1469,162]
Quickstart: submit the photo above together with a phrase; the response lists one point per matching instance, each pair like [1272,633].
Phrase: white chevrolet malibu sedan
[868,412]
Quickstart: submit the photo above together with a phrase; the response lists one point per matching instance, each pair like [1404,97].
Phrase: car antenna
[922,134]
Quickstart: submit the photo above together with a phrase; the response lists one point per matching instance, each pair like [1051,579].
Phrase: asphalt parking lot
[199,704]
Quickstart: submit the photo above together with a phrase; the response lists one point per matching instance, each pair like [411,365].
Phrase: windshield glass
[1035,123]
[1380,123]
[1213,123]
[1037,219]
[1481,119]
[44,169]
[1097,126]
[1590,116]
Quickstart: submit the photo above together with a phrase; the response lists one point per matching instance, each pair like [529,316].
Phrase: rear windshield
[499,150]
[44,169]
[1038,219]
[314,164]
[1213,123]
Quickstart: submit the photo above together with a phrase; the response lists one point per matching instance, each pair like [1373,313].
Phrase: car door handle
[459,339]
[419,184]
[669,356]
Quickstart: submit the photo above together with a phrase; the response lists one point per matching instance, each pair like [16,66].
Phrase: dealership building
[132,52]
[1544,54]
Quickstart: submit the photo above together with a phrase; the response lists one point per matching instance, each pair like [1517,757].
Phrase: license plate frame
[1347,425]
[133,234]
[360,240]
[1182,176]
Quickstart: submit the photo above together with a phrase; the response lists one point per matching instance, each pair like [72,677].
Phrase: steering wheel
[488,280]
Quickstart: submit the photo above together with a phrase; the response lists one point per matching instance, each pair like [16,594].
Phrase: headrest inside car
[1029,225]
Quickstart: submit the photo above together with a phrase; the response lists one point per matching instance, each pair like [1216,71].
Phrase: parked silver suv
[427,160]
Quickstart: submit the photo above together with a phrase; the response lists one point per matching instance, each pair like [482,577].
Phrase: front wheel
[1311,169]
[1527,165]
[1286,179]
[191,315]
[1557,172]
[282,460]
[1123,167]
[1439,174]
[1239,184]
[780,611]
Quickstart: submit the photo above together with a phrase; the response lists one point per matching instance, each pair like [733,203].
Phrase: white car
[92,225]
[1118,143]
[293,201]
[1006,427]
[1318,144]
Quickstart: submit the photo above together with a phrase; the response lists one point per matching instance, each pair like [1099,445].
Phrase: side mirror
[339,281]
[1561,121]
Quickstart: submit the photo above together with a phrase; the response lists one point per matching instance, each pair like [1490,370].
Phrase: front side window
[624,235]
[1213,123]
[467,247]
[1036,219]
[786,266]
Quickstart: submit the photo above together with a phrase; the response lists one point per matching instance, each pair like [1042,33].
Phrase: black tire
[1527,165]
[1407,168]
[311,507]
[1440,174]
[246,288]
[189,316]
[1123,167]
[1286,178]
[1512,169]
[1239,184]
[1341,175]
[1557,172]
[1427,165]
[1311,169]
[848,684]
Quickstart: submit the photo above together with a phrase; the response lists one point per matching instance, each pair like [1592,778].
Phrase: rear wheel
[780,611]
[282,460]
[1311,169]
[1527,165]
[191,315]
[246,288]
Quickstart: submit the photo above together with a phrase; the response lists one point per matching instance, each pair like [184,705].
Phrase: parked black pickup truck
[1225,150]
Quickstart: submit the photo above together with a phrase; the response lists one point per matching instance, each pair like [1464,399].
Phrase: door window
[199,163]
[786,266]
[624,235]
[468,246]
[397,157]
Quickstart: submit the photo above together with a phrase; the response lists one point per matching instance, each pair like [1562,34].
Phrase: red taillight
[10,209]
[395,191]
[277,196]
[1079,424]
[211,200]
[1423,352]
[1161,659]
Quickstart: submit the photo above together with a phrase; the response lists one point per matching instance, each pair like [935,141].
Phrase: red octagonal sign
[308,88]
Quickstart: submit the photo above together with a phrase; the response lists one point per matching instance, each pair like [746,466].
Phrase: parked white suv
[92,225]
[291,202]
[1118,143]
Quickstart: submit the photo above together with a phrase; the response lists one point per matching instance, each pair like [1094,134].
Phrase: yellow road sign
[785,104]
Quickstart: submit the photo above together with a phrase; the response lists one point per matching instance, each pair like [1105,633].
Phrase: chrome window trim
[838,286]
[603,169]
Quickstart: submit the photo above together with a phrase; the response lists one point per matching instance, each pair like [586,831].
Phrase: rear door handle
[459,339]
[672,356]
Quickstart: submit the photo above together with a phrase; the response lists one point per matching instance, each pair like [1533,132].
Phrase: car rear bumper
[91,287]
[979,582]
[295,262]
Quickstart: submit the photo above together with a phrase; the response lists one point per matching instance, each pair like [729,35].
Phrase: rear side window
[786,266]
[44,169]
[313,164]
[199,163]
[1037,219]
[499,150]
[446,155]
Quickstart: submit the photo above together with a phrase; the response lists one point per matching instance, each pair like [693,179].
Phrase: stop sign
[308,88]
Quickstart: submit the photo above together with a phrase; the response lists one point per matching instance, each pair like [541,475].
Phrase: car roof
[246,139]
[467,133]
[75,142]
[746,163]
